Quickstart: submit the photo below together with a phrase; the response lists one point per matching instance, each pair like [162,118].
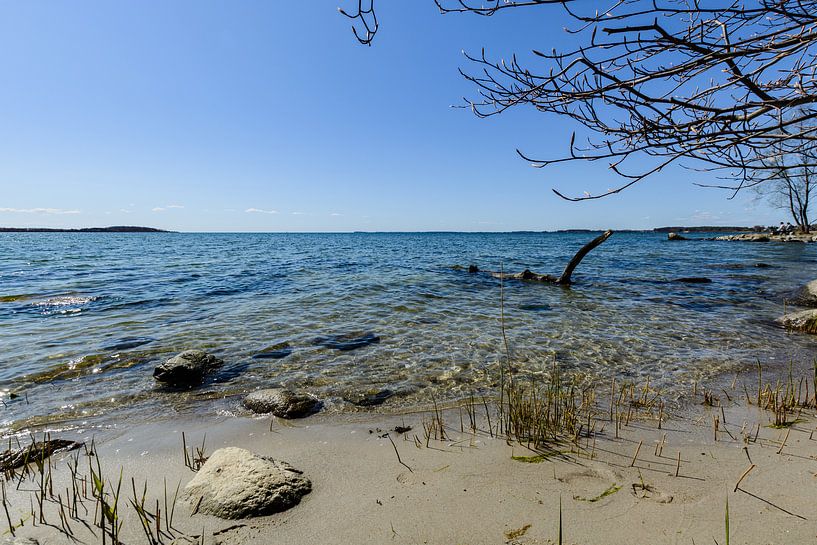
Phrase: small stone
[186,369]
[274,352]
[235,483]
[282,403]
[368,399]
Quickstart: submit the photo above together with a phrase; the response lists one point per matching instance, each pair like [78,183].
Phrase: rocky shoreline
[769,237]
[752,237]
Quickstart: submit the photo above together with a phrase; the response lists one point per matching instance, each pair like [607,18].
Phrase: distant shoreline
[138,229]
[114,229]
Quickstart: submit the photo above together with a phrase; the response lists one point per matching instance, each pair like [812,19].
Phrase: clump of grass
[194,457]
[787,398]
[107,503]
[710,399]
[542,414]
[434,427]
[104,509]
[151,521]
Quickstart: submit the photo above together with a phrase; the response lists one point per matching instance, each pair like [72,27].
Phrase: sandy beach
[470,488]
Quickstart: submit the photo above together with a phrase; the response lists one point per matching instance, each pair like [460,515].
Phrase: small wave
[65,301]
[62,305]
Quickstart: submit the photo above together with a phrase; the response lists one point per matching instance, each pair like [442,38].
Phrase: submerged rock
[536,307]
[805,321]
[65,371]
[369,398]
[127,343]
[694,280]
[235,483]
[531,276]
[805,296]
[348,341]
[187,368]
[282,403]
[274,352]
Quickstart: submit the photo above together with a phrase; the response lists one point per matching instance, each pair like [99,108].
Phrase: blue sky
[202,115]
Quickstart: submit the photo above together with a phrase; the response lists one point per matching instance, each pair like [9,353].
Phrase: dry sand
[469,489]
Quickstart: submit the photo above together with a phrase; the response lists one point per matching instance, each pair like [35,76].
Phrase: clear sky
[258,115]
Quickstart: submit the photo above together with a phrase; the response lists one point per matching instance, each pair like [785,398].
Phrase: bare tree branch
[708,84]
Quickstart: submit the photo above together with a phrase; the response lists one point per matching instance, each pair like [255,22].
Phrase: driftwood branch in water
[564,279]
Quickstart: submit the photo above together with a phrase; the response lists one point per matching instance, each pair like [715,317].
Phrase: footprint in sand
[592,485]
[644,491]
[590,474]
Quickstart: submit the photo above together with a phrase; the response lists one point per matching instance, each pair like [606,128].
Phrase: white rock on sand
[235,483]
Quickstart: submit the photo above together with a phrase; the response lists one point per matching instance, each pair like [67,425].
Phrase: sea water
[85,318]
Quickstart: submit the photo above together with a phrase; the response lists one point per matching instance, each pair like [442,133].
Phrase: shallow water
[84,318]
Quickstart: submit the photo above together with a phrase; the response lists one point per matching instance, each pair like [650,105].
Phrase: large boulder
[282,403]
[235,483]
[186,369]
[676,236]
[805,320]
[805,296]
